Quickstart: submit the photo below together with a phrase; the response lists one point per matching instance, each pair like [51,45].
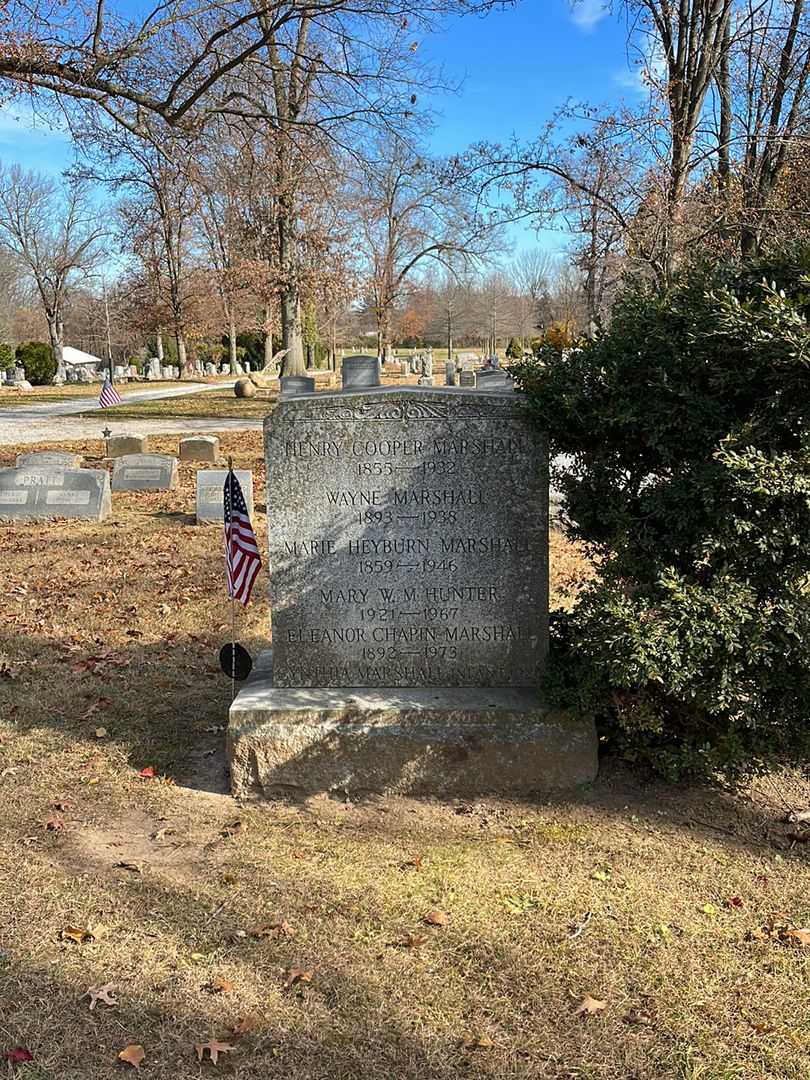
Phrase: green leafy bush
[686,430]
[38,360]
[6,355]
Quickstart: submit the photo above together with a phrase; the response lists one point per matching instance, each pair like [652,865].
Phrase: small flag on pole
[109,395]
[242,559]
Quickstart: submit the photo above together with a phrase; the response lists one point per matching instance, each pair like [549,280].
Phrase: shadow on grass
[166,705]
[366,1013]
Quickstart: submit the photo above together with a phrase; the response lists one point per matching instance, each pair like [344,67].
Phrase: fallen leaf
[132,1055]
[410,941]
[600,875]
[643,1017]
[436,918]
[214,1049]
[589,1005]
[709,909]
[278,928]
[135,867]
[220,986]
[295,975]
[233,829]
[18,1055]
[161,834]
[797,937]
[762,1029]
[414,863]
[148,773]
[472,1041]
[734,902]
[100,733]
[244,1025]
[198,956]
[100,993]
[60,805]
[79,934]
[55,824]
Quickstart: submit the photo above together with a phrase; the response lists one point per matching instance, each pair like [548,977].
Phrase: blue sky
[518,66]
[515,68]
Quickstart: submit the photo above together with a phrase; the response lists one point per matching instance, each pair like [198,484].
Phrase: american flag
[109,395]
[242,559]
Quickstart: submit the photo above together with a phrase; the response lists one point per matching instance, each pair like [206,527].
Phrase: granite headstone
[210,493]
[199,448]
[408,539]
[56,458]
[121,445]
[144,472]
[40,492]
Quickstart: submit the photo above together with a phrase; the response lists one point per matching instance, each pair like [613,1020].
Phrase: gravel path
[58,422]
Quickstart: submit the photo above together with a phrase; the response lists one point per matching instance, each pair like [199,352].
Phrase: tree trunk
[750,241]
[724,133]
[292,338]
[56,332]
[232,341]
[182,356]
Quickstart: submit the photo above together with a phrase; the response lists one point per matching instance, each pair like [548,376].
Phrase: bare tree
[411,214]
[530,271]
[763,106]
[321,70]
[55,234]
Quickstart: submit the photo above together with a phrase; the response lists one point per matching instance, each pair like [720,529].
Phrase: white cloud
[587,14]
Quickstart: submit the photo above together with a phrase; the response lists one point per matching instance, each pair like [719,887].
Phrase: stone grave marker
[293,385]
[120,445]
[144,472]
[467,378]
[358,372]
[57,458]
[210,486]
[199,448]
[40,492]
[408,541]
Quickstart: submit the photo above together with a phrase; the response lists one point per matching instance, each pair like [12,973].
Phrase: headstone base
[439,741]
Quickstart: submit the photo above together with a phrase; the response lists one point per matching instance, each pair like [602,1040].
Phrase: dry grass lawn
[214,404]
[304,925]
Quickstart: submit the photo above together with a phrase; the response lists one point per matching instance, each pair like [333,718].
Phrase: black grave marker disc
[235,659]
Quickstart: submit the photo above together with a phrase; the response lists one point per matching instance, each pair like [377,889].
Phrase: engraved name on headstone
[144,472]
[40,492]
[408,540]
[210,493]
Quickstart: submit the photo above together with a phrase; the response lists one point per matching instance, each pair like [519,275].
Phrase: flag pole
[233,598]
